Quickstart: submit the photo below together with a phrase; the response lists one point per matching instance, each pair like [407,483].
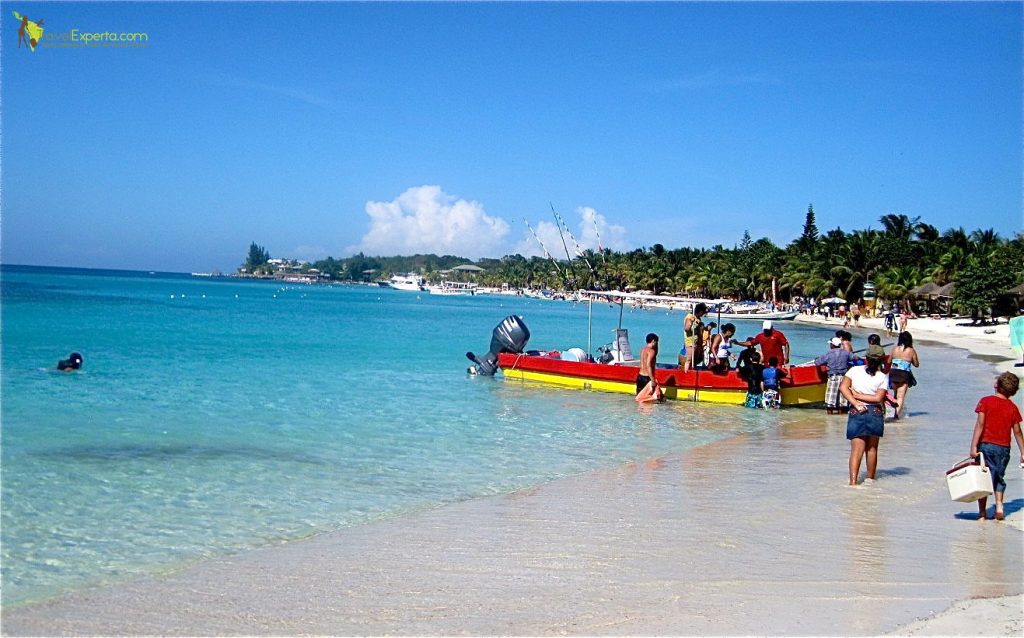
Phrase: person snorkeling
[72,363]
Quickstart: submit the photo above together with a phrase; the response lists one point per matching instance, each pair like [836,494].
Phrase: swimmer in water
[72,363]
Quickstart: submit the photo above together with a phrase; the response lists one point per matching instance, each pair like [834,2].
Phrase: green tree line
[901,255]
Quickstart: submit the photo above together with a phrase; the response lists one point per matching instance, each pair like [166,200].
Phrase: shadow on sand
[894,471]
[1009,507]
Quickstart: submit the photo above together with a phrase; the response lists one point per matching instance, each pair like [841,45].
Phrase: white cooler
[969,480]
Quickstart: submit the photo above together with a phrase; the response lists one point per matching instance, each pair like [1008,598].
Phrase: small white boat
[756,316]
[453,288]
[751,311]
[410,283]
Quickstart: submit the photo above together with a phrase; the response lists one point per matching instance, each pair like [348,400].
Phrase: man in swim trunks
[648,362]
[773,344]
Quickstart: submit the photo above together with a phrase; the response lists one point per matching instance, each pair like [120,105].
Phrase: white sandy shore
[756,535]
[993,341]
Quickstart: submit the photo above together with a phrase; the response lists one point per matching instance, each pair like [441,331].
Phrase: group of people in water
[863,388]
[702,347]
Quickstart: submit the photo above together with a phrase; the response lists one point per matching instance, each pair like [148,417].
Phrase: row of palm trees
[903,254]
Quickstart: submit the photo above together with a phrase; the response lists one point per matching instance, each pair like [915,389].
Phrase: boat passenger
[720,346]
[72,363]
[692,334]
[773,343]
[648,363]
[705,340]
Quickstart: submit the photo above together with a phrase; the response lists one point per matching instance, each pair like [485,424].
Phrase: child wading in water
[771,376]
[997,416]
[754,373]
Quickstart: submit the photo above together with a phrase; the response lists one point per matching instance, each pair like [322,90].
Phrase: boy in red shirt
[997,416]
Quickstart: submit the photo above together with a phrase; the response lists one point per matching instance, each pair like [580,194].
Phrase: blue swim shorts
[997,458]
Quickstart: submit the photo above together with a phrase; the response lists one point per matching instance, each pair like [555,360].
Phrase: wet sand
[756,535]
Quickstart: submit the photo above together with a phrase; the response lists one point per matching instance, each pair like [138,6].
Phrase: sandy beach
[756,535]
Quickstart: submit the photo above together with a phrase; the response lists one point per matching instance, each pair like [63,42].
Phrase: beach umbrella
[833,300]
[1019,291]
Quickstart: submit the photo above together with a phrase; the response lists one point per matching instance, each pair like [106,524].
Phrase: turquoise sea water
[213,416]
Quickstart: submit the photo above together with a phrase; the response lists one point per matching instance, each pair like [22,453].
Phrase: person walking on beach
[773,343]
[864,388]
[648,363]
[997,417]
[901,377]
[890,322]
[837,361]
[855,311]
[692,333]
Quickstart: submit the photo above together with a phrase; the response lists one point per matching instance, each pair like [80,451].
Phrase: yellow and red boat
[804,385]
[616,371]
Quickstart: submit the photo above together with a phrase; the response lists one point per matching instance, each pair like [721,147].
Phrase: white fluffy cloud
[425,219]
[591,226]
[595,229]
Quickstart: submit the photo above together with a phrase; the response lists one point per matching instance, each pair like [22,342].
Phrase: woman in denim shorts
[865,388]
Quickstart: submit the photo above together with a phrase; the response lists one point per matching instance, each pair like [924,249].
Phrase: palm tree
[863,257]
[957,237]
[899,226]
[896,283]
[926,233]
[985,241]
[949,265]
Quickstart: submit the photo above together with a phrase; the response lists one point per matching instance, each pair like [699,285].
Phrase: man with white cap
[773,344]
[838,360]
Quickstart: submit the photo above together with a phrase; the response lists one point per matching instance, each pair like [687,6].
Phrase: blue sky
[327,128]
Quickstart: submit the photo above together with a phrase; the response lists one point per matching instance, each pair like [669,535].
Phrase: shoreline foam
[698,542]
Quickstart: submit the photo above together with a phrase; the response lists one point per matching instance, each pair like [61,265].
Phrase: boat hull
[805,385]
[408,287]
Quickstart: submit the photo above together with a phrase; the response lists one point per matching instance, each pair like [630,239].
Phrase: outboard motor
[510,335]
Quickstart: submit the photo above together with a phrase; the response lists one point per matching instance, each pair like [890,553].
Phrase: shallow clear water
[213,416]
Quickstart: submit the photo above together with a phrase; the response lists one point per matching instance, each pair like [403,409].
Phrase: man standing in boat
[773,344]
[648,363]
[693,332]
